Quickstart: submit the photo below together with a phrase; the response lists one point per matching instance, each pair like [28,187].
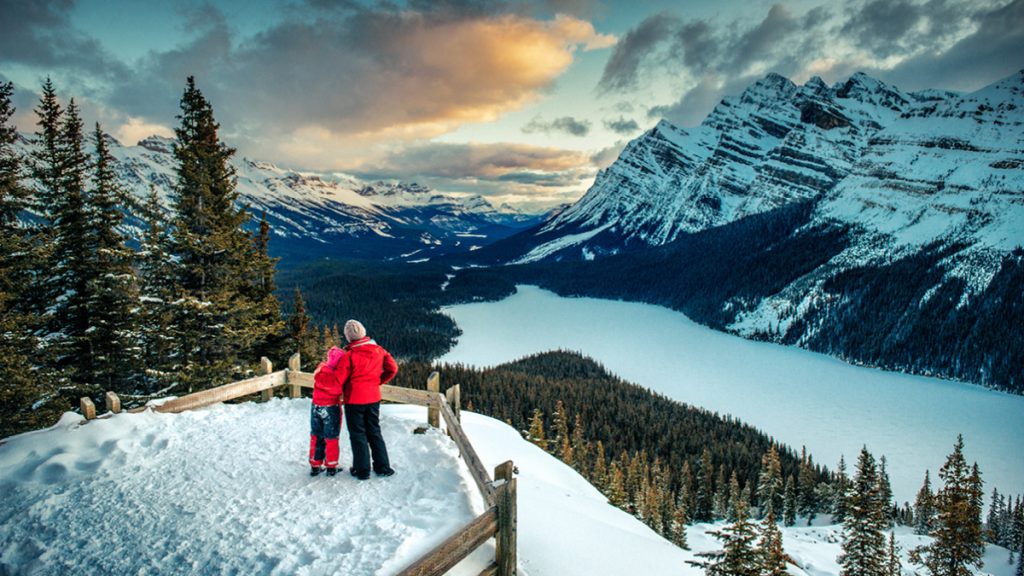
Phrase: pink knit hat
[354,330]
[334,356]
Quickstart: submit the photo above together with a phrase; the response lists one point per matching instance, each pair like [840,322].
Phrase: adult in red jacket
[363,369]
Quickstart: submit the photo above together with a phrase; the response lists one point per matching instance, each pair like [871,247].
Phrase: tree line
[85,308]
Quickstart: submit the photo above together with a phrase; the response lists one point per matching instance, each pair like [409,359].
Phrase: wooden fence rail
[498,493]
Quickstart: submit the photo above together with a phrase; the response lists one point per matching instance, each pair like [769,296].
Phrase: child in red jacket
[325,418]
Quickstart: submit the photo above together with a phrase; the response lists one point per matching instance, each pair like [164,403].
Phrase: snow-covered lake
[799,397]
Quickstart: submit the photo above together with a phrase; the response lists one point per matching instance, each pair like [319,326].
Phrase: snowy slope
[225,490]
[314,214]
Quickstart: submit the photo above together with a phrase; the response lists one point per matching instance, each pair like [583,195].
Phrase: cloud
[473,160]
[914,44]
[135,129]
[566,124]
[622,126]
[603,158]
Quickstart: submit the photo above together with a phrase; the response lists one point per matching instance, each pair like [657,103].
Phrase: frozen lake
[799,397]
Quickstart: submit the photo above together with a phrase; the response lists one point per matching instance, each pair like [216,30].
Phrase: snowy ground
[798,397]
[224,490]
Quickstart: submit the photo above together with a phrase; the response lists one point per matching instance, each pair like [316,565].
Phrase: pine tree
[20,388]
[957,544]
[580,448]
[841,491]
[156,294]
[885,492]
[617,486]
[679,521]
[704,498]
[924,507]
[893,565]
[722,496]
[301,335]
[770,488]
[686,492]
[560,426]
[863,550]
[536,432]
[736,499]
[773,557]
[599,476]
[740,555]
[46,168]
[789,506]
[807,498]
[994,525]
[266,326]
[113,334]
[215,254]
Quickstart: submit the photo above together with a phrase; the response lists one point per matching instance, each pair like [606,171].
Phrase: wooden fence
[498,493]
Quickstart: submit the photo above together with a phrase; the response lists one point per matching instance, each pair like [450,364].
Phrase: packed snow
[801,398]
[225,490]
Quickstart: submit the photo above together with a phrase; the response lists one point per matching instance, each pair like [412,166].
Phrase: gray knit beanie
[354,330]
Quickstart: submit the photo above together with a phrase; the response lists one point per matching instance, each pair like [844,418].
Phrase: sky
[522,101]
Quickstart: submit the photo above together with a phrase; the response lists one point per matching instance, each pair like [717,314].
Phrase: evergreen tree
[739,556]
[770,488]
[579,448]
[840,491]
[807,497]
[773,557]
[113,334]
[863,550]
[957,544]
[924,507]
[722,496]
[885,492]
[679,522]
[704,498]
[46,168]
[617,487]
[789,506]
[736,500]
[302,337]
[266,325]
[536,432]
[599,476]
[215,254]
[560,426]
[686,492]
[19,258]
[893,565]
[156,289]
[994,525]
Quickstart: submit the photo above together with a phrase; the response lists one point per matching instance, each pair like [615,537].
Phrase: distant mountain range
[333,215]
[874,224]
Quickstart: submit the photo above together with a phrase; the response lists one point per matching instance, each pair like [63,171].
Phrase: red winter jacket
[363,369]
[327,387]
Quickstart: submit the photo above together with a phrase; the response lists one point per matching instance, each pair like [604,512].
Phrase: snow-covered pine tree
[893,565]
[156,293]
[773,557]
[994,524]
[722,497]
[863,549]
[807,496]
[957,544]
[560,427]
[924,507]
[686,492]
[20,385]
[736,499]
[885,492]
[215,254]
[740,555]
[704,498]
[789,503]
[113,334]
[770,488]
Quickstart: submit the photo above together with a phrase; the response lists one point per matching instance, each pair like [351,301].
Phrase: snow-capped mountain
[913,167]
[320,214]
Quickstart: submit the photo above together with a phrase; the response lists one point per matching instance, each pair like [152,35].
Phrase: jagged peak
[157,143]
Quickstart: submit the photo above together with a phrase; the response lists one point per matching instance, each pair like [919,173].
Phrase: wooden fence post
[433,414]
[505,500]
[295,365]
[454,397]
[88,408]
[266,368]
[113,402]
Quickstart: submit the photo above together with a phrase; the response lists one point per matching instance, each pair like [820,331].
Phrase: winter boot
[314,470]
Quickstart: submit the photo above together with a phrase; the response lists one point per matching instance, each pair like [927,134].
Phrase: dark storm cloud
[622,126]
[566,124]
[623,67]
[39,33]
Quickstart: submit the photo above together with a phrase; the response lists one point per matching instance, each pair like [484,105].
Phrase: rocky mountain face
[335,215]
[877,225]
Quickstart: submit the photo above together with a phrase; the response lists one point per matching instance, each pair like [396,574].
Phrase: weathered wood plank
[476,467]
[300,379]
[504,471]
[88,408]
[112,401]
[266,368]
[453,550]
[454,397]
[405,395]
[294,366]
[491,570]
[505,549]
[222,393]
[433,385]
